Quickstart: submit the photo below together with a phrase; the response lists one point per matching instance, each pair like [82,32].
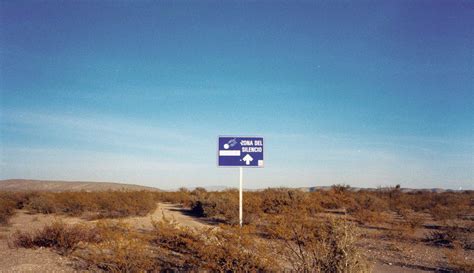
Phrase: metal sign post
[241,210]
[236,151]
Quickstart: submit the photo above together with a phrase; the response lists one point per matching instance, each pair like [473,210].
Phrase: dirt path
[170,211]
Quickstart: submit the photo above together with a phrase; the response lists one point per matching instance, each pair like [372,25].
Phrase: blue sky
[366,93]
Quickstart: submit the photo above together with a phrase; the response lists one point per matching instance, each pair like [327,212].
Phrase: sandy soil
[408,253]
[170,211]
[31,260]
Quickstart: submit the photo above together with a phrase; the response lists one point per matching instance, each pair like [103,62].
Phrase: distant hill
[58,186]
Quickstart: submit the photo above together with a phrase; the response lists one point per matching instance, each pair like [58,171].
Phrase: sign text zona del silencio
[236,151]
[240,151]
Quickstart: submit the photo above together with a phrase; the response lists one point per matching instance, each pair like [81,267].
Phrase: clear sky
[366,93]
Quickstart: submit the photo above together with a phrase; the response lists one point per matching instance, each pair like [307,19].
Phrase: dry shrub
[182,196]
[410,206]
[179,245]
[121,255]
[19,198]
[338,197]
[276,201]
[232,248]
[58,235]
[402,226]
[442,206]
[43,203]
[116,247]
[223,249]
[442,213]
[76,203]
[459,260]
[120,249]
[451,236]
[109,204]
[311,246]
[7,209]
[456,204]
[121,204]
[363,216]
[9,201]
[419,201]
[368,208]
[197,208]
[224,206]
[440,238]
[399,229]
[411,220]
[252,208]
[108,246]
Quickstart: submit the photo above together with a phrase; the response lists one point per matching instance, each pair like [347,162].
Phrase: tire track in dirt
[170,211]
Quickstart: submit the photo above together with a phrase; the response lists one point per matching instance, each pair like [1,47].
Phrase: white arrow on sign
[247,159]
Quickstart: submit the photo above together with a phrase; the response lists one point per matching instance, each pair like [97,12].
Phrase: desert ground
[171,227]
[46,260]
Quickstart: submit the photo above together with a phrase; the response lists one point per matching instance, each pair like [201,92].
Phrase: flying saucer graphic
[231,143]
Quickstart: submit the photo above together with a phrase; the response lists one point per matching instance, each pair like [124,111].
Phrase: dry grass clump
[311,246]
[58,235]
[110,204]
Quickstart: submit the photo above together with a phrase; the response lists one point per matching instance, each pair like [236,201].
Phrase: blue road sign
[240,151]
